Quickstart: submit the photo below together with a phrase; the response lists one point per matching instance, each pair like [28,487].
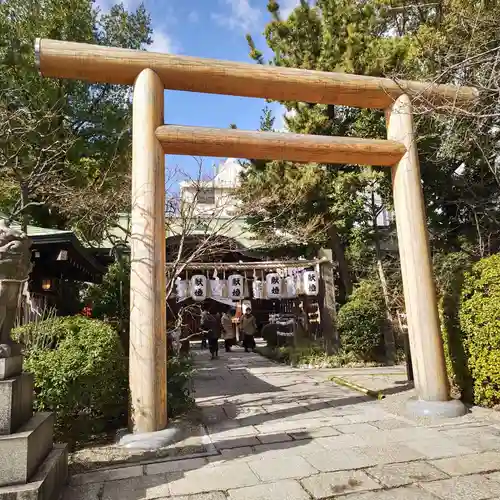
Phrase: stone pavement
[280,433]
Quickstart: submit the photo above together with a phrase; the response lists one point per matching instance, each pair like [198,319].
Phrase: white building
[214,197]
[210,207]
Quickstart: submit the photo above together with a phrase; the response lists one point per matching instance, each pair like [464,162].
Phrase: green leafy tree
[110,300]
[450,41]
[326,203]
[64,144]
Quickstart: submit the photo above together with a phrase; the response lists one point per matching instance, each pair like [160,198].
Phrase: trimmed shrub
[480,323]
[80,373]
[361,322]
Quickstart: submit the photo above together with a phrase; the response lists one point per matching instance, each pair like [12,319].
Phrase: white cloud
[287,6]
[242,15]
[129,5]
[193,17]
[280,112]
[163,42]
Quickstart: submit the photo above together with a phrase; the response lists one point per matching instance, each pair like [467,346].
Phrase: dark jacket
[211,324]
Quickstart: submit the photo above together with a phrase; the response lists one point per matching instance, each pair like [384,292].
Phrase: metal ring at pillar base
[436,409]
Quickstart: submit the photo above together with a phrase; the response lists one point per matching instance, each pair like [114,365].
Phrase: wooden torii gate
[151,73]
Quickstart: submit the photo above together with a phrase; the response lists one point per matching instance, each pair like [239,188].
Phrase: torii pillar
[148,344]
[426,346]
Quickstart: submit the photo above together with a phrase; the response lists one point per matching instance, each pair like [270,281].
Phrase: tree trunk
[328,304]
[24,203]
[339,254]
[389,341]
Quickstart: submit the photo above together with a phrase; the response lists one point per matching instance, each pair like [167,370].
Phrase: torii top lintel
[96,63]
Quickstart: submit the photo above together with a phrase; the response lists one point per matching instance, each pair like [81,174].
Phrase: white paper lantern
[199,287]
[310,283]
[235,284]
[273,286]
[181,289]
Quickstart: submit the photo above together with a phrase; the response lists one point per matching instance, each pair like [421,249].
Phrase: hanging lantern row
[275,286]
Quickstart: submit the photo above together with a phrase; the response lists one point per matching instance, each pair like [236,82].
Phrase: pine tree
[323,201]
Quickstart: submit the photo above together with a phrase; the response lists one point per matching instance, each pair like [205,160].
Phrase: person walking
[248,326]
[228,331]
[211,325]
[203,318]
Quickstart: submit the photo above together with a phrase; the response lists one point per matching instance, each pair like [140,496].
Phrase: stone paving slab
[405,493]
[469,464]
[137,488]
[392,423]
[475,487]
[439,447]
[275,469]
[362,428]
[342,441]
[223,477]
[281,490]
[478,439]
[324,486]
[401,474]
[359,458]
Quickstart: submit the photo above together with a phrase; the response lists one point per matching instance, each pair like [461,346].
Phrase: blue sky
[214,29]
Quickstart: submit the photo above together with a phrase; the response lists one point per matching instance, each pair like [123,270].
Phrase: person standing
[248,326]
[228,331]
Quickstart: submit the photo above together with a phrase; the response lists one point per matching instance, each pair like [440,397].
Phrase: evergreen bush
[80,373]
[361,321]
[480,323]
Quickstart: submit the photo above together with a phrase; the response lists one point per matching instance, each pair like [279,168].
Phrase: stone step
[23,451]
[9,367]
[47,482]
[16,402]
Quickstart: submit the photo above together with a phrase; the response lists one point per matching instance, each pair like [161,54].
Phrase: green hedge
[361,322]
[480,323]
[80,373]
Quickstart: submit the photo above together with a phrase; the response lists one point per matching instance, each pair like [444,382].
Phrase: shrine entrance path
[290,434]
